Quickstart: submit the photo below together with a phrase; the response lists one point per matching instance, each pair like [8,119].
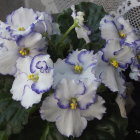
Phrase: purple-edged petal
[110,76]
[124,56]
[44,82]
[89,97]
[50,110]
[38,58]
[72,58]
[30,97]
[22,17]
[70,123]
[108,28]
[68,89]
[96,110]
[87,58]
[111,47]
[18,86]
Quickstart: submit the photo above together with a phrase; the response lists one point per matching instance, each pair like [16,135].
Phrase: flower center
[24,51]
[138,56]
[114,62]
[21,29]
[78,69]
[122,34]
[33,77]
[73,103]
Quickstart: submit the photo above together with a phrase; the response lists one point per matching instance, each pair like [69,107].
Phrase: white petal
[73,58]
[30,40]
[18,86]
[23,65]
[121,103]
[108,29]
[50,110]
[30,97]
[40,58]
[89,97]
[70,123]
[22,17]
[109,76]
[87,58]
[68,89]
[44,82]
[95,111]
[111,47]
[61,67]
[125,55]
[8,57]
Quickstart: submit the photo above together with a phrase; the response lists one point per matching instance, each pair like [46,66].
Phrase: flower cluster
[72,82]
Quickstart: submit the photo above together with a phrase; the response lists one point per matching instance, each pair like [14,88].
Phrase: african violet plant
[63,76]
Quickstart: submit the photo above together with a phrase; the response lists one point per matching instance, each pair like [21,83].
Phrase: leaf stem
[75,24]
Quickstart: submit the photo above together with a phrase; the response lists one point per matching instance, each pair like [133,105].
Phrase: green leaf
[38,129]
[12,115]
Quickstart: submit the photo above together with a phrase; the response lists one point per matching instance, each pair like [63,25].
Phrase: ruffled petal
[44,82]
[8,57]
[18,86]
[96,110]
[89,97]
[30,97]
[87,58]
[70,123]
[68,89]
[108,28]
[40,58]
[22,17]
[23,65]
[50,110]
[72,58]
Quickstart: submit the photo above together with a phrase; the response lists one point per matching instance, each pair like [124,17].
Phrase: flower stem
[75,24]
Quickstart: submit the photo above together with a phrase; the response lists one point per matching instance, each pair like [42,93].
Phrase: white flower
[34,77]
[111,61]
[77,65]
[71,106]
[82,31]
[9,51]
[23,21]
[118,29]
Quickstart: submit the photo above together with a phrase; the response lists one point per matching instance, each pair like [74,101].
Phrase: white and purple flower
[34,77]
[10,51]
[119,29]
[23,21]
[78,65]
[82,31]
[112,60]
[71,106]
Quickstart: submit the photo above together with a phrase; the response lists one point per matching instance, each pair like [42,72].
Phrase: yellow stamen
[114,62]
[21,29]
[78,69]
[24,51]
[138,56]
[33,77]
[122,34]
[73,104]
